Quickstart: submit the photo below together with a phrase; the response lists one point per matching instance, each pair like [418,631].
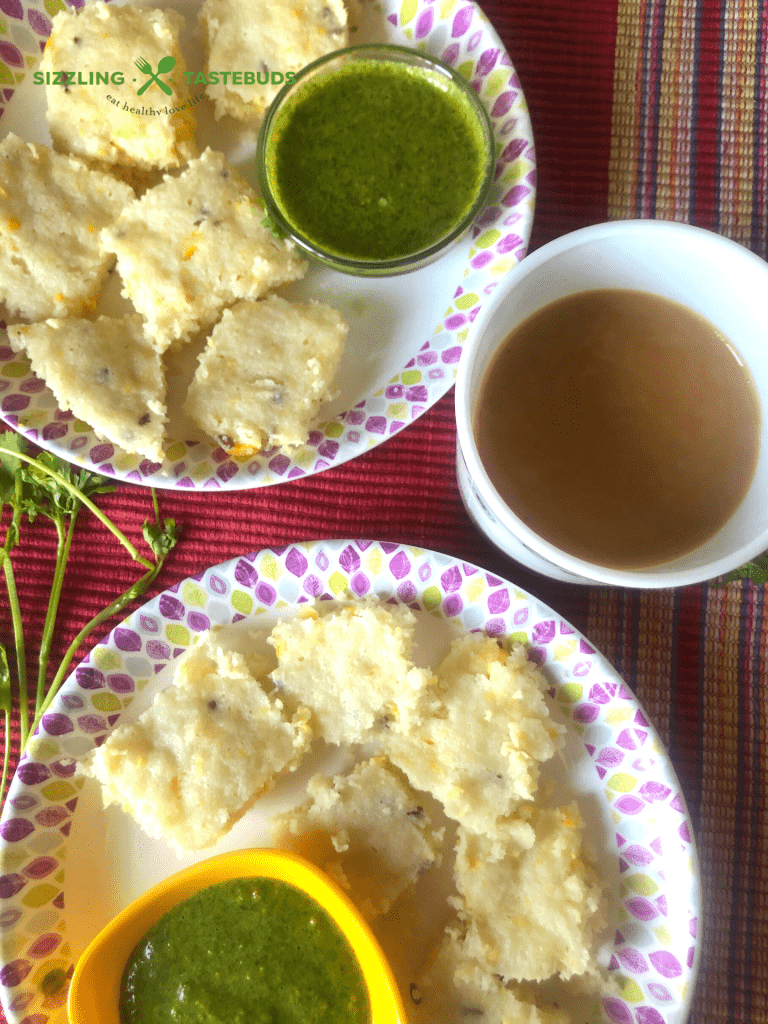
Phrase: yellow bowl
[94,993]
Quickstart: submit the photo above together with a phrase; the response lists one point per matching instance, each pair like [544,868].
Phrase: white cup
[711,275]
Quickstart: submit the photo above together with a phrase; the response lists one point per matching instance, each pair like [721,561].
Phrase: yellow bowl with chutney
[291,908]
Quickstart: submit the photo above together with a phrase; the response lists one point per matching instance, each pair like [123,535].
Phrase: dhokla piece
[480,752]
[97,123]
[266,369]
[534,912]
[194,244]
[52,210]
[194,762]
[457,990]
[380,839]
[353,667]
[106,372]
[270,37]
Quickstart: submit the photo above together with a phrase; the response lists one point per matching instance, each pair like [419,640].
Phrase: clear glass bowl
[353,69]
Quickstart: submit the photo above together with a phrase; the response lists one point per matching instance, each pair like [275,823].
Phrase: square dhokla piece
[211,743]
[367,829]
[52,210]
[106,372]
[353,667]
[95,121]
[531,912]
[479,752]
[457,990]
[268,38]
[193,245]
[266,369]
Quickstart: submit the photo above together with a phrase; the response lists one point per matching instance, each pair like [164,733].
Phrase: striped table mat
[689,142]
[640,109]
[698,660]
[689,136]
[659,109]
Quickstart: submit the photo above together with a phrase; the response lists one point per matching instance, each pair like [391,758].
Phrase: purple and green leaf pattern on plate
[455,31]
[653,953]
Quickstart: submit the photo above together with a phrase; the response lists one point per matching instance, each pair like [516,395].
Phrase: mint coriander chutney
[245,951]
[378,154]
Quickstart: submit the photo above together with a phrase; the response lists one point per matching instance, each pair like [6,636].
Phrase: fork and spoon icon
[165,65]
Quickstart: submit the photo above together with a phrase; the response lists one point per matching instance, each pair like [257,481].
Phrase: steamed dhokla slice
[52,210]
[267,367]
[94,121]
[457,990]
[353,667]
[479,752]
[530,912]
[106,372]
[368,829]
[212,742]
[269,37]
[193,245]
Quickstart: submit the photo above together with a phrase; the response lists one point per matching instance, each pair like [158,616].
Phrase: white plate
[406,332]
[68,866]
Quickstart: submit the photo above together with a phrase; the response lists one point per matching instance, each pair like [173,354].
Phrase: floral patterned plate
[406,332]
[67,866]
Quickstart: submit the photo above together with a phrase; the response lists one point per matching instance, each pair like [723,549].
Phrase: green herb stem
[62,481]
[21,658]
[135,590]
[6,755]
[48,488]
[65,534]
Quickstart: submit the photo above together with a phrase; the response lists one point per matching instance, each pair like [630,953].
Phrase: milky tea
[619,426]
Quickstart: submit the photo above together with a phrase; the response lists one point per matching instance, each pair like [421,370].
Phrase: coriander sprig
[756,570]
[47,485]
[12,493]
[167,536]
[39,466]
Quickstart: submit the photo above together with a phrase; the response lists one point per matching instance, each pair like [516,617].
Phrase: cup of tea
[610,407]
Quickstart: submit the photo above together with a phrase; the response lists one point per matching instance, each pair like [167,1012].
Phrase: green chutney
[246,951]
[376,159]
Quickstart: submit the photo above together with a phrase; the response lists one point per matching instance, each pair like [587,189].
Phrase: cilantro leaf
[756,571]
[271,225]
[10,466]
[50,496]
[161,538]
